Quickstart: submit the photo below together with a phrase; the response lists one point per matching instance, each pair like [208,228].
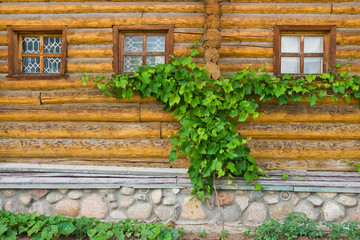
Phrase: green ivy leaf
[312,99]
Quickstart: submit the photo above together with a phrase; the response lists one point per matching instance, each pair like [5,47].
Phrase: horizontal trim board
[29,176]
[104,7]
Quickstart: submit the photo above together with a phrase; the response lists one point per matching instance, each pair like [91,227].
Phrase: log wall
[63,122]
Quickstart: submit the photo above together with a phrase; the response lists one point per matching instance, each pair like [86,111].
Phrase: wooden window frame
[120,31]
[329,45]
[14,47]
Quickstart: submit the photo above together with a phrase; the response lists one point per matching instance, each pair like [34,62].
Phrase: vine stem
[218,203]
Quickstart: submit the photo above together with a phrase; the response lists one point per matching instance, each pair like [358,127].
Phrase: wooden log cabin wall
[60,121]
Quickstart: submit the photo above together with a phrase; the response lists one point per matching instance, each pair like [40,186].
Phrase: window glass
[290,65]
[52,44]
[131,63]
[31,65]
[313,44]
[290,44]
[155,43]
[133,43]
[312,65]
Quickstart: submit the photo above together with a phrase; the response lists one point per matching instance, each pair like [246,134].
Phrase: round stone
[117,215]
[280,211]
[314,200]
[94,207]
[163,212]
[8,193]
[355,215]
[127,190]
[271,199]
[192,210]
[156,196]
[256,213]
[333,212]
[224,198]
[25,199]
[38,193]
[12,207]
[126,201]
[308,209]
[329,195]
[303,194]
[243,202]
[255,195]
[67,207]
[75,194]
[347,201]
[53,197]
[140,211]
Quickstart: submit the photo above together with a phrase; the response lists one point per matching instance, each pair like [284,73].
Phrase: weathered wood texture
[61,121]
[50,176]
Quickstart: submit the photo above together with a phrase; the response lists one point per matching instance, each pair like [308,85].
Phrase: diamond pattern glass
[31,45]
[133,44]
[153,60]
[52,44]
[131,63]
[290,65]
[155,43]
[312,65]
[290,44]
[52,65]
[31,64]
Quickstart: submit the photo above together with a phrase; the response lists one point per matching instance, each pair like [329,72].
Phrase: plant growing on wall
[210,109]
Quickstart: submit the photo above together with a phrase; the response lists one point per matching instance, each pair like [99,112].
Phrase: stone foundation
[246,208]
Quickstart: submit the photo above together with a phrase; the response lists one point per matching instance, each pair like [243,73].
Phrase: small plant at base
[202,234]
[224,234]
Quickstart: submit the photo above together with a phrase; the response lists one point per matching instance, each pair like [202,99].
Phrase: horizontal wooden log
[104,7]
[185,50]
[306,164]
[346,9]
[153,112]
[246,51]
[275,113]
[291,1]
[42,84]
[3,67]
[304,149]
[305,113]
[99,20]
[91,36]
[236,66]
[3,53]
[84,148]
[188,35]
[86,96]
[276,8]
[348,53]
[99,1]
[339,131]
[90,52]
[352,66]
[348,38]
[91,65]
[113,162]
[76,130]
[3,40]
[247,35]
[231,20]
[19,97]
[128,112]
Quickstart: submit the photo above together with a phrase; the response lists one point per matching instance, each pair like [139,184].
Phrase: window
[301,50]
[139,45]
[37,52]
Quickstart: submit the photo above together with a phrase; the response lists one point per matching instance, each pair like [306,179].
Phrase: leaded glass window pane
[52,44]
[133,44]
[313,65]
[313,44]
[131,63]
[290,44]
[290,65]
[155,43]
[153,60]
[31,64]
[31,45]
[52,65]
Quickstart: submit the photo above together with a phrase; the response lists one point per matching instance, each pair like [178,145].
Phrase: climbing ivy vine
[209,110]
